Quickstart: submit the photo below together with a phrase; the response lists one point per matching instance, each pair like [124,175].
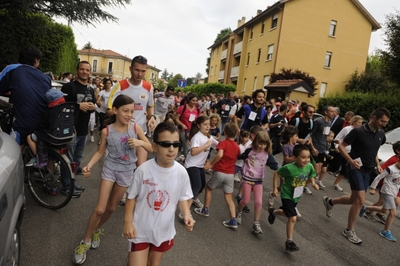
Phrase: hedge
[207,88]
[364,104]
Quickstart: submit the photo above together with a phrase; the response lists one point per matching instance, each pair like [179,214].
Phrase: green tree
[391,57]
[83,11]
[289,73]
[220,35]
[165,74]
[198,77]
[174,81]
[88,45]
[190,81]
[55,40]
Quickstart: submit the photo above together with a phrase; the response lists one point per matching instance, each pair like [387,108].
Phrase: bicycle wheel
[45,183]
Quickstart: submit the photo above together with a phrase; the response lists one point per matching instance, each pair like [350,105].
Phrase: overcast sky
[175,34]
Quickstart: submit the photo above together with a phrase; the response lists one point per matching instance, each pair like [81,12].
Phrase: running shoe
[96,238]
[257,228]
[370,216]
[239,217]
[319,183]
[388,235]
[380,218]
[272,216]
[351,236]
[362,211]
[197,203]
[80,253]
[307,191]
[291,246]
[337,187]
[328,206]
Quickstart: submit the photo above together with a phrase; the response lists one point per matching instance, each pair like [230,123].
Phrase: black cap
[170,88]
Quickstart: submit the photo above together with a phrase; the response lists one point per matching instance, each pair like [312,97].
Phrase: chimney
[259,11]
[241,21]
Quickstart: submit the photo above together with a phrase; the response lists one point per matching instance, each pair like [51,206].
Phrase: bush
[207,88]
[364,104]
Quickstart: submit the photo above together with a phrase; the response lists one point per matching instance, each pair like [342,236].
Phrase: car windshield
[393,136]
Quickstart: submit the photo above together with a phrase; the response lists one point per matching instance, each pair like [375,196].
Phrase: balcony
[223,54]
[221,75]
[234,72]
[102,71]
[237,49]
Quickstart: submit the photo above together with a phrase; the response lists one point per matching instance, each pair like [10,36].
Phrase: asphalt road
[50,237]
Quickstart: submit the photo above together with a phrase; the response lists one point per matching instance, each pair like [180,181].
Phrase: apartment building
[107,63]
[328,39]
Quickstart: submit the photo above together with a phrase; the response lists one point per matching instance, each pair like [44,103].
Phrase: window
[110,67]
[322,90]
[266,80]
[255,84]
[244,85]
[94,65]
[274,21]
[251,33]
[248,59]
[270,52]
[259,55]
[211,71]
[262,27]
[332,28]
[328,58]
[215,69]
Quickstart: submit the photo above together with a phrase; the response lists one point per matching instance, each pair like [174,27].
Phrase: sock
[330,202]
[256,222]
[289,240]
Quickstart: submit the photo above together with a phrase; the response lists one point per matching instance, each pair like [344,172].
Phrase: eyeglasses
[140,59]
[166,144]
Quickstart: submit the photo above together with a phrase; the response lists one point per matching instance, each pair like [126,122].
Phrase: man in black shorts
[365,142]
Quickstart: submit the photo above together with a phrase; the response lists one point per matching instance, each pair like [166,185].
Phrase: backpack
[297,122]
[61,124]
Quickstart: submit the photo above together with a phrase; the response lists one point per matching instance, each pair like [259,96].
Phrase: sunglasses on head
[167,144]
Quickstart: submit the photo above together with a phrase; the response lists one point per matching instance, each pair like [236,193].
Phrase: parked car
[386,150]
[12,200]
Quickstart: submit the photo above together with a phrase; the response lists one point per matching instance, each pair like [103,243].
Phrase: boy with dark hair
[157,187]
[293,177]
[224,169]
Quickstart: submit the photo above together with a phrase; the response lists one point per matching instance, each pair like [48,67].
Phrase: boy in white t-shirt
[157,187]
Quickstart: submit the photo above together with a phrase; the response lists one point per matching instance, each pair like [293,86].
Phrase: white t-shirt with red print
[157,191]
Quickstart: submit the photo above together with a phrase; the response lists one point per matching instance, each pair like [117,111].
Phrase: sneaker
[272,216]
[246,209]
[75,193]
[236,178]
[319,183]
[96,238]
[80,253]
[122,202]
[231,223]
[307,191]
[298,213]
[91,139]
[31,162]
[370,216]
[328,206]
[380,218]
[337,187]
[270,200]
[202,211]
[239,217]
[291,246]
[79,188]
[362,211]
[257,228]
[238,198]
[197,203]
[351,236]
[388,235]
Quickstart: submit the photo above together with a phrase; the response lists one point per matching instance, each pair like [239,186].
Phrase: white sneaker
[307,191]
[271,199]
[197,203]
[298,213]
[237,178]
[319,183]
[91,138]
[337,187]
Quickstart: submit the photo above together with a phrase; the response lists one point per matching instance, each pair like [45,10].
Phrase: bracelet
[152,116]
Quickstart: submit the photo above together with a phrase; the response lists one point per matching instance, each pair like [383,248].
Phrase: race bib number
[326,130]
[227,107]
[298,191]
[192,117]
[252,116]
[165,105]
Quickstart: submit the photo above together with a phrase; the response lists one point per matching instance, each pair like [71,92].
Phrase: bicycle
[43,175]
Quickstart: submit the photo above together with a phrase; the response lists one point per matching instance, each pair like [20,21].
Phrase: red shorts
[165,246]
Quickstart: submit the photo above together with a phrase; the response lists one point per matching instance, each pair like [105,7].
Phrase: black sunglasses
[140,59]
[167,144]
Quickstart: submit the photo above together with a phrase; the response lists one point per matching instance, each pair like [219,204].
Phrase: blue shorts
[359,180]
[122,178]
